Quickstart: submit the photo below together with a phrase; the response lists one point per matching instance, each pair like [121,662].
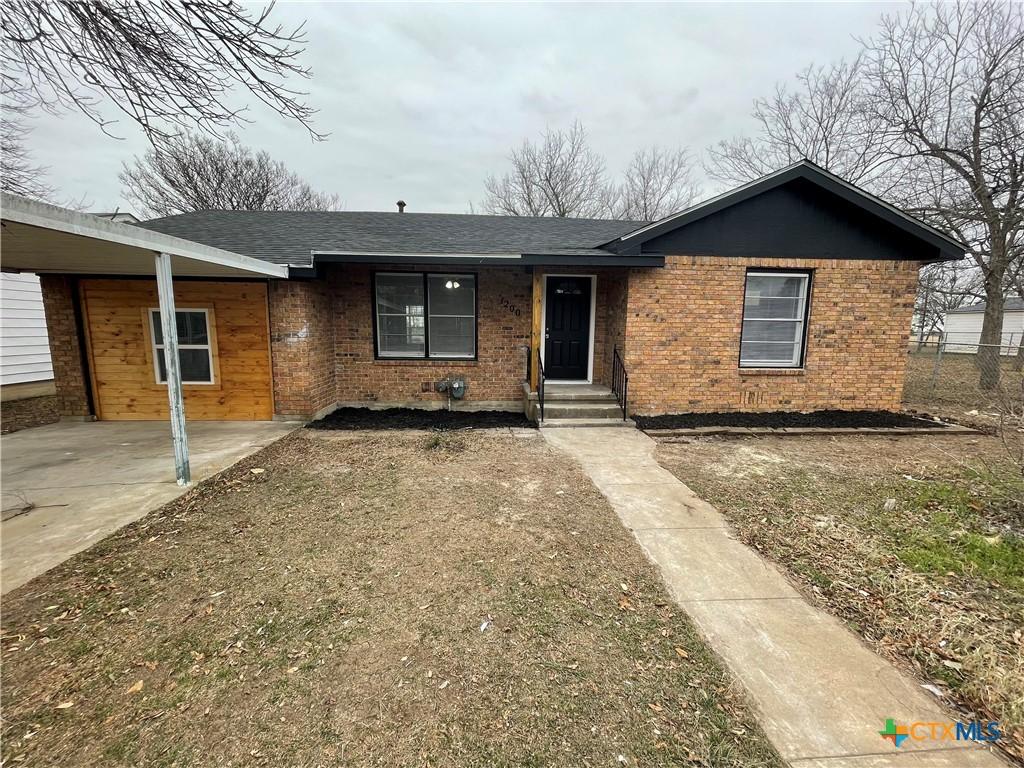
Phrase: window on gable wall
[774,319]
[421,315]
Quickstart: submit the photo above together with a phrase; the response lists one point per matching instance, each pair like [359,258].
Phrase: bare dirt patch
[369,598]
[915,542]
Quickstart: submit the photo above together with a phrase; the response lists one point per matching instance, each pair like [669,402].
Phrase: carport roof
[42,238]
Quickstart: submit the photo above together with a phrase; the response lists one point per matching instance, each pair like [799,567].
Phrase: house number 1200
[512,308]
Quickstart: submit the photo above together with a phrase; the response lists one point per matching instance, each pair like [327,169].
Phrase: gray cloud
[423,101]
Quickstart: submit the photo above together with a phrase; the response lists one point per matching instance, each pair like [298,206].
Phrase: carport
[66,486]
[42,238]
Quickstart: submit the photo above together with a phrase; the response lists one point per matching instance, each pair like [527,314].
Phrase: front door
[567,328]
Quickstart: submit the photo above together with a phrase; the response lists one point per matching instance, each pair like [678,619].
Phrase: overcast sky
[423,101]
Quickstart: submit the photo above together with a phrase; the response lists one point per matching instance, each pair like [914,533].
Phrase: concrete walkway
[68,485]
[821,694]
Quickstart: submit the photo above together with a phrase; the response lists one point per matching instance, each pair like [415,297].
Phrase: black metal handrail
[620,381]
[540,385]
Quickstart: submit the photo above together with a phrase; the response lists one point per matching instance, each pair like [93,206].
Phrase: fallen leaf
[136,688]
[443,685]
[257,470]
[682,654]
[65,705]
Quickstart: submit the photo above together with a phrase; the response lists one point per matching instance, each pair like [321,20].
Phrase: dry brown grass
[953,391]
[933,579]
[406,599]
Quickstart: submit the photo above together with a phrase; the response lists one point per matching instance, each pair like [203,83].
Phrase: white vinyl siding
[24,346]
[774,319]
[962,332]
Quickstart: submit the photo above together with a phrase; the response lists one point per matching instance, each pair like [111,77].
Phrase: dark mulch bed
[418,418]
[786,419]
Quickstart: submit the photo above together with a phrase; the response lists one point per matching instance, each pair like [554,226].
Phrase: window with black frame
[774,319]
[425,315]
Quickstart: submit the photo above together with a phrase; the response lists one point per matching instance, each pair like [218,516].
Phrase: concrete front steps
[576,405]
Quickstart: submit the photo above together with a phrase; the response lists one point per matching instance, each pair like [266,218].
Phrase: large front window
[774,319]
[429,314]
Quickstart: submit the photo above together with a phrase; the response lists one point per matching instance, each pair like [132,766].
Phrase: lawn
[915,542]
[369,598]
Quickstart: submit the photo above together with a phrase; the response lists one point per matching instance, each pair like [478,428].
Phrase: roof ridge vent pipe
[401,206]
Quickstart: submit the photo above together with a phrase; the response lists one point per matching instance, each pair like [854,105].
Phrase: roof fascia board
[491,259]
[373,257]
[803,169]
[35,214]
[611,260]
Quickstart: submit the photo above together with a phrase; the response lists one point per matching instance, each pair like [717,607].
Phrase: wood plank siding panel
[120,350]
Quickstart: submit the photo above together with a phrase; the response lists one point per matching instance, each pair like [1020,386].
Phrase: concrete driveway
[66,486]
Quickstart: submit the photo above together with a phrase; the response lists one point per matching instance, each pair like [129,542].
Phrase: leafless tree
[560,176]
[947,86]
[18,173]
[942,288]
[658,182]
[563,176]
[824,120]
[166,65]
[195,172]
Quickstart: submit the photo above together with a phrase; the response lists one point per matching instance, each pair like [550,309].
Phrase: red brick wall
[504,316]
[616,307]
[302,346]
[683,334]
[69,374]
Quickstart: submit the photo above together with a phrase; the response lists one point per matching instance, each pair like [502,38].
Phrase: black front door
[567,328]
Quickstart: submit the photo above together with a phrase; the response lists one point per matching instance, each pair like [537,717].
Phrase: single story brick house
[792,292]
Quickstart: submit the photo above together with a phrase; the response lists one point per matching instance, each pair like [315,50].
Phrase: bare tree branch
[165,65]
[18,174]
[824,120]
[195,172]
[658,182]
[561,176]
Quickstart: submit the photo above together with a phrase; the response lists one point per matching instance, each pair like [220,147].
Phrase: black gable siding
[796,220]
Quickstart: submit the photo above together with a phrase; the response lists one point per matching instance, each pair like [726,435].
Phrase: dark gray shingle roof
[288,237]
[1012,304]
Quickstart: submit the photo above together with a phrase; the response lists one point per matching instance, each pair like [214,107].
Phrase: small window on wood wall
[195,353]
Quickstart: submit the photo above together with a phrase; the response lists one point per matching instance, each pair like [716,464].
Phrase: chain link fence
[956,377]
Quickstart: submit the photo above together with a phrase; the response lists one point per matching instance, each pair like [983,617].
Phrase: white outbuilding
[962,327]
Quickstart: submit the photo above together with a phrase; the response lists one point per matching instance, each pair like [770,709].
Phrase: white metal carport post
[168,322]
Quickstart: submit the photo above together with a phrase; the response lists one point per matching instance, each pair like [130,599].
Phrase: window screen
[195,357]
[452,315]
[425,315]
[400,316]
[774,320]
